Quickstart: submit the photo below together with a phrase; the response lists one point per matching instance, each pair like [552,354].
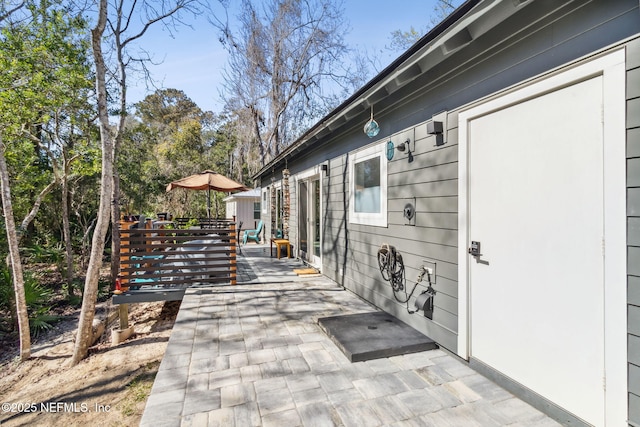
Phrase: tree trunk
[85,244]
[36,207]
[84,334]
[66,230]
[16,264]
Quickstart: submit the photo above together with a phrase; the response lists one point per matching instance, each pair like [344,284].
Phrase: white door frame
[307,175]
[611,66]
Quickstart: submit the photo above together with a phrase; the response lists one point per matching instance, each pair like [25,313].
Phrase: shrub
[37,298]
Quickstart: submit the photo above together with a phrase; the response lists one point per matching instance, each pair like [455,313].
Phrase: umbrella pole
[209,203]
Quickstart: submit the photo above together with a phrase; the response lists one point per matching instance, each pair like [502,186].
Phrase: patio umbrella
[207,180]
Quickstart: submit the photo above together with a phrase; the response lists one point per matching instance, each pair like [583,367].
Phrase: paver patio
[254,355]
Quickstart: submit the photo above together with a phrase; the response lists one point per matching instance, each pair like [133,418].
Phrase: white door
[536,206]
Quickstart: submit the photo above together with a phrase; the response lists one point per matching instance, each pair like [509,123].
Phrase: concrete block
[373,335]
[120,335]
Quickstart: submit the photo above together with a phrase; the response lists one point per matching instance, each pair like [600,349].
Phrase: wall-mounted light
[324,167]
[406,146]
[434,128]
[371,128]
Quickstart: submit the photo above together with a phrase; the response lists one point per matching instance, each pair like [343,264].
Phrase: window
[256,210]
[368,187]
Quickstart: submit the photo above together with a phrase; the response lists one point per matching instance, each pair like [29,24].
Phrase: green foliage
[38,298]
[169,139]
[46,112]
[41,321]
[6,291]
[45,254]
[191,223]
[52,253]
[36,294]
[72,298]
[104,290]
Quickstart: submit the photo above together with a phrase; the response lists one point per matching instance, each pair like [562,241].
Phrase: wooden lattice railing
[161,258]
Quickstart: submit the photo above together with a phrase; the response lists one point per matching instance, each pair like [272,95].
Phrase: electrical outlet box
[430,268]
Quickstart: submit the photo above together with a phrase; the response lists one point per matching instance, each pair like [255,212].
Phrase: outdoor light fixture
[324,167]
[405,146]
[371,128]
[434,128]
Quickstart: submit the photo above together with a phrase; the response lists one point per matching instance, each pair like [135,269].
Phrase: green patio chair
[252,234]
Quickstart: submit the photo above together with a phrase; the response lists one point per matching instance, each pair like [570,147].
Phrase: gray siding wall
[350,249]
[430,182]
[633,227]
[539,42]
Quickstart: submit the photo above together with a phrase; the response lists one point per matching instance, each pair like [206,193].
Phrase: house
[245,207]
[506,173]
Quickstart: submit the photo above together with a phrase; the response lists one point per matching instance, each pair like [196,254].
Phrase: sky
[193,60]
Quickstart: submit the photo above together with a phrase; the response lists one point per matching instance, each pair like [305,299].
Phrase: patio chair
[252,234]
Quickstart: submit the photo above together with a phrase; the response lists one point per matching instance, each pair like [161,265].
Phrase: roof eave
[400,66]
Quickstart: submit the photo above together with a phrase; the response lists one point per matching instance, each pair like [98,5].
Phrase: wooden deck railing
[171,257]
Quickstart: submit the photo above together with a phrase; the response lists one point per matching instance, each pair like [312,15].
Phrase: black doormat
[374,335]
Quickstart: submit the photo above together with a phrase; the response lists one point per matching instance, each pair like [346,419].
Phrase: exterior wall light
[406,146]
[434,128]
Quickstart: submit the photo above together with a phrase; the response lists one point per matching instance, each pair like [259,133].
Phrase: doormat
[375,335]
[305,271]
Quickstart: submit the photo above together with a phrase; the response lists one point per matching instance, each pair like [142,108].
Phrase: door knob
[474,250]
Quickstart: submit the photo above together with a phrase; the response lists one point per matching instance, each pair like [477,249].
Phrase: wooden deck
[158,264]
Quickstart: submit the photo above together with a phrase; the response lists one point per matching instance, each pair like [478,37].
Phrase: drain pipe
[345,203]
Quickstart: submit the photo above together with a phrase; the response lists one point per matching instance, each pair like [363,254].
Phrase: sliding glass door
[309,219]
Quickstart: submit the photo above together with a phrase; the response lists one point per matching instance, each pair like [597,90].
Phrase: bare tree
[83,337]
[127,22]
[280,61]
[402,40]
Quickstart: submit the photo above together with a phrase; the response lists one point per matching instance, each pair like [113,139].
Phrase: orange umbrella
[207,180]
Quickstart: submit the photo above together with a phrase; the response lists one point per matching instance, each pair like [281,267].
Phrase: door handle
[474,250]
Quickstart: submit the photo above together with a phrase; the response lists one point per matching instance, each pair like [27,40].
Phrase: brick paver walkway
[254,355]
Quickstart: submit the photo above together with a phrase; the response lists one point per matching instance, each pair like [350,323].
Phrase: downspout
[345,204]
